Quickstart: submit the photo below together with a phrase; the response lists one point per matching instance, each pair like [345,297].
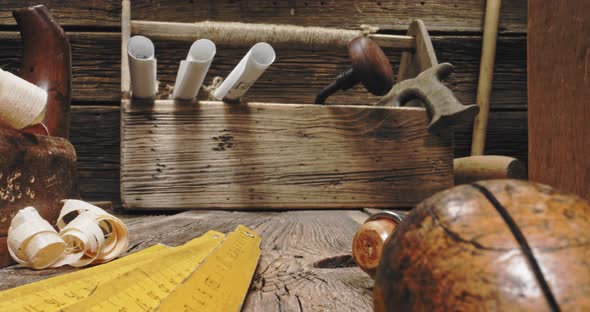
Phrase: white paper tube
[142,67]
[192,71]
[21,102]
[254,63]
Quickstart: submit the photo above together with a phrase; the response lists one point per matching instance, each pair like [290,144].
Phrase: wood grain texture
[96,59]
[96,63]
[98,13]
[487,167]
[98,147]
[35,171]
[261,155]
[486,71]
[95,134]
[47,63]
[456,251]
[507,135]
[125,35]
[306,262]
[295,77]
[559,109]
[368,243]
[412,63]
[450,15]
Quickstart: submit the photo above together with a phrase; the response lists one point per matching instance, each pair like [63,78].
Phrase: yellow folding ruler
[192,276]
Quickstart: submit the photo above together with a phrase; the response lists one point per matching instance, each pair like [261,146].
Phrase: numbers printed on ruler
[225,263]
[51,294]
[221,282]
[143,288]
[209,273]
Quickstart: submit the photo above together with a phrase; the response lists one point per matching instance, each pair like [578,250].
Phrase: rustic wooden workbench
[306,262]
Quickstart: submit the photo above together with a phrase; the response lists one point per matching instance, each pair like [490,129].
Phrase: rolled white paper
[21,102]
[142,67]
[192,71]
[254,63]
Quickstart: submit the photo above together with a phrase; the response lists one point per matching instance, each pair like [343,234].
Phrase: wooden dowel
[125,34]
[287,35]
[394,41]
[486,72]
[168,105]
[474,168]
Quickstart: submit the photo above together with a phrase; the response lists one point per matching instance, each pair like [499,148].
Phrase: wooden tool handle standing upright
[486,72]
[47,64]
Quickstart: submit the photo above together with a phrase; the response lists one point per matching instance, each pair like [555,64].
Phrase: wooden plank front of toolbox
[260,155]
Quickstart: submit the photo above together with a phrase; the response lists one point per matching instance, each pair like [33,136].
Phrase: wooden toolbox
[204,154]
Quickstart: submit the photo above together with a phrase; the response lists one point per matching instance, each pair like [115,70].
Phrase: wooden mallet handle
[474,168]
[486,72]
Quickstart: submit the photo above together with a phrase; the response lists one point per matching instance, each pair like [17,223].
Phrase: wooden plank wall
[559,60]
[455,26]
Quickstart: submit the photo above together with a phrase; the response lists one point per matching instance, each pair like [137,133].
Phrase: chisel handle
[370,238]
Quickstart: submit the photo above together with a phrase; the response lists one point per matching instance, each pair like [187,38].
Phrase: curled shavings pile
[87,234]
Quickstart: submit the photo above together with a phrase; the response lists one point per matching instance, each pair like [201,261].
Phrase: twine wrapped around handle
[248,34]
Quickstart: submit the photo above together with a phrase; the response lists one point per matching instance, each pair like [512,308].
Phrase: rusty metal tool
[428,88]
[370,66]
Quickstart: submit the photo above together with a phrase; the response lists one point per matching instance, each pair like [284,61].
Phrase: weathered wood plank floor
[306,262]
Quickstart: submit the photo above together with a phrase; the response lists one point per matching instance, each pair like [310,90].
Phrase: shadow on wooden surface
[288,276]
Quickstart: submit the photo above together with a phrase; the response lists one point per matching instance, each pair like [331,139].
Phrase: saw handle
[428,90]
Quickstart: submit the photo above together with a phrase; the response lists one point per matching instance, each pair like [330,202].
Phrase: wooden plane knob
[370,66]
[367,246]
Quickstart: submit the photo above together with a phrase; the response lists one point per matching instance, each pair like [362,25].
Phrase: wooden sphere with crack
[504,245]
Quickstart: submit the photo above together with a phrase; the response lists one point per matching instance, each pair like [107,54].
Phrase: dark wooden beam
[295,77]
[559,105]
[440,15]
